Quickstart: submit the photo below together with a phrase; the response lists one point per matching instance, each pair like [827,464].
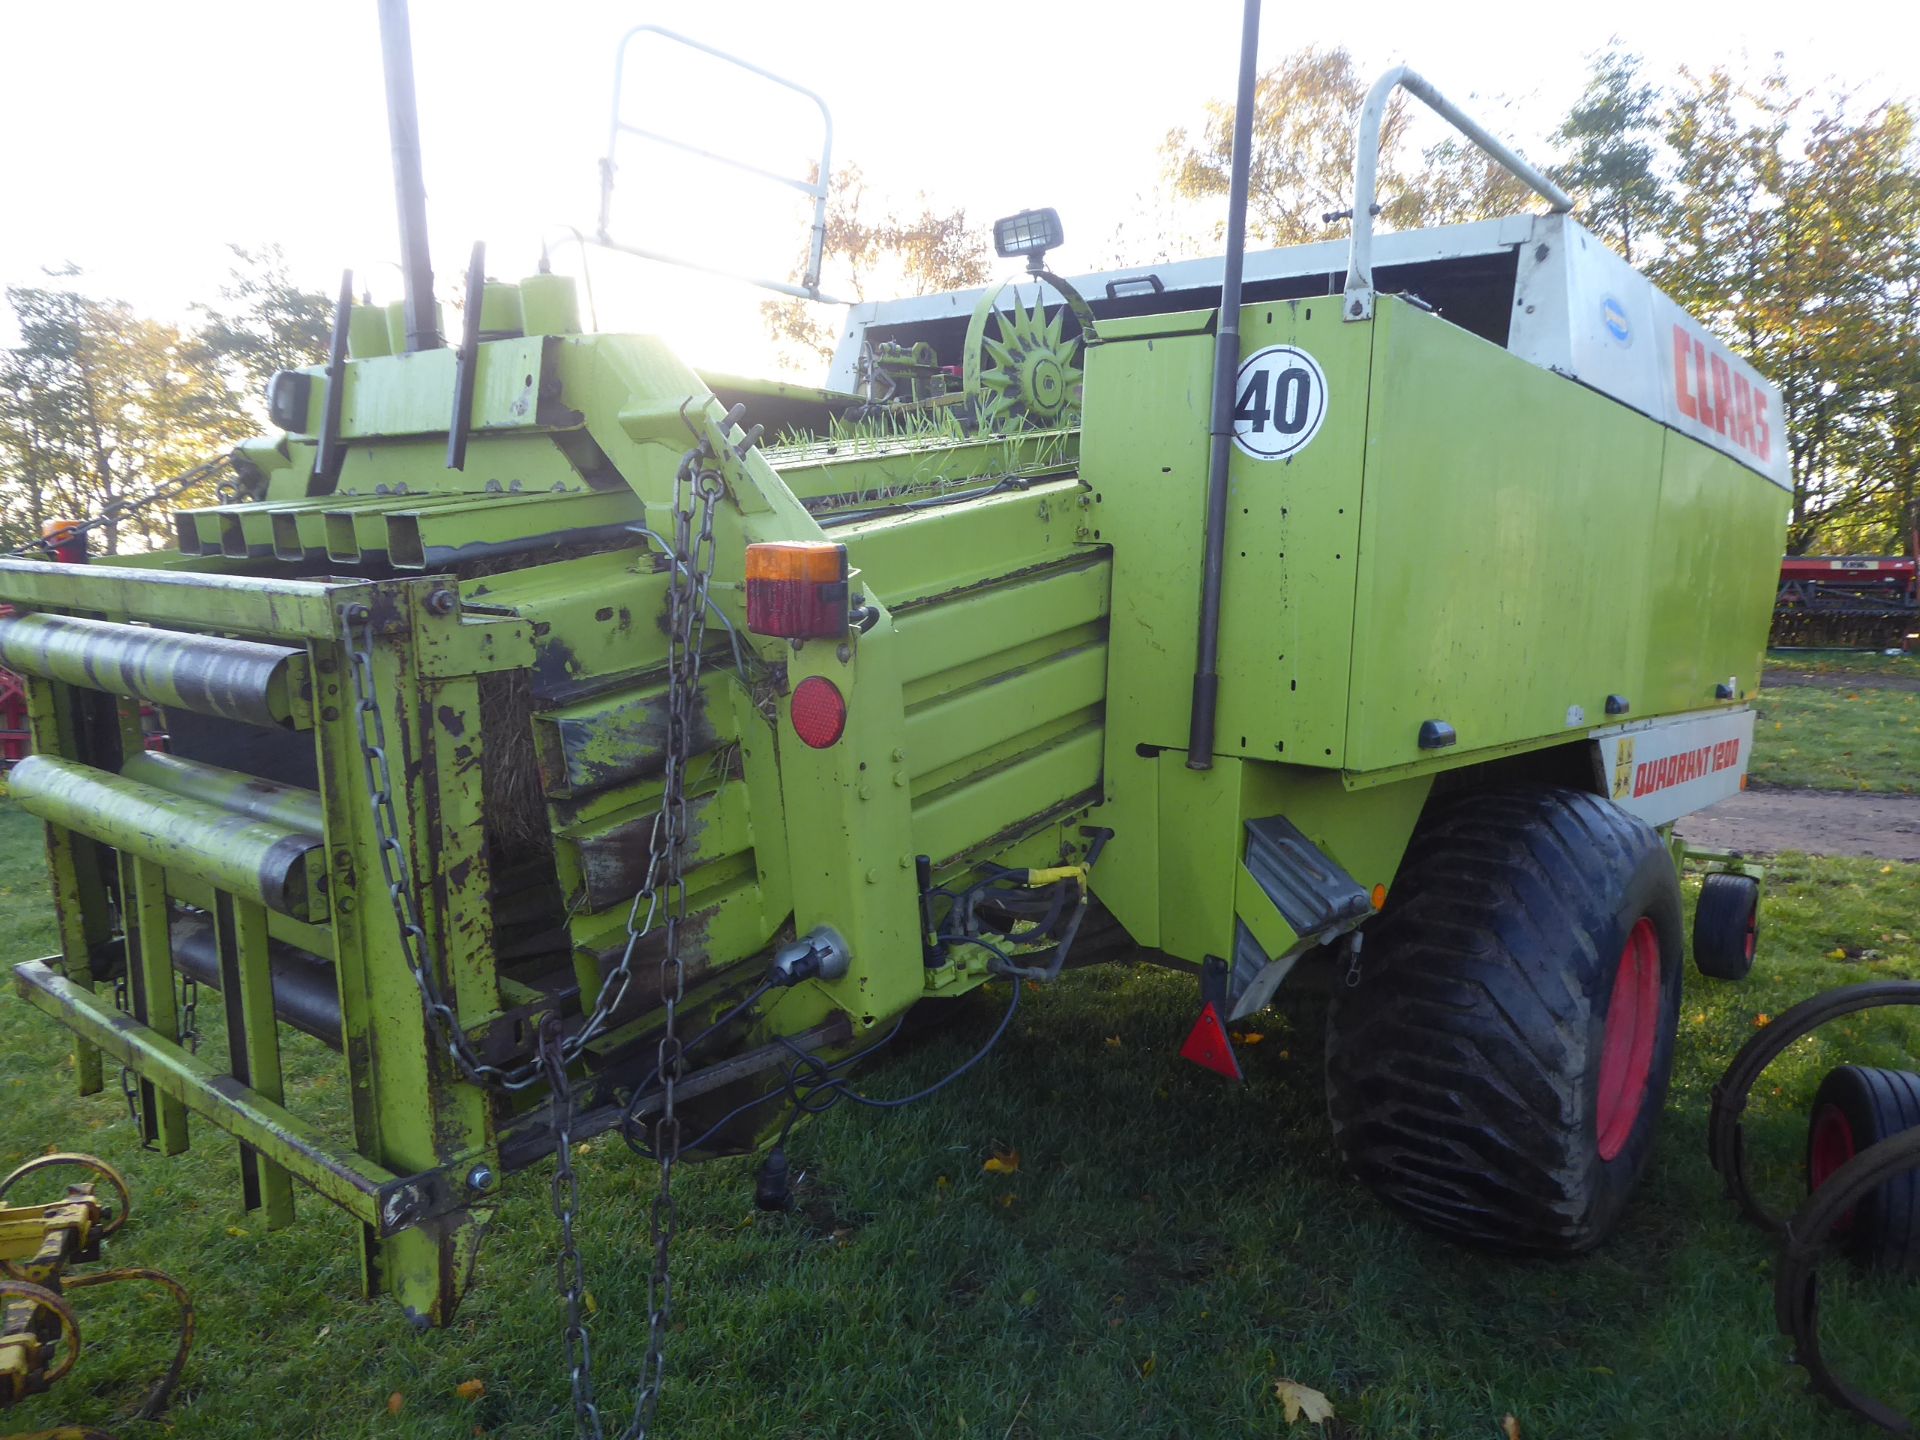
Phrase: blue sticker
[1613,315]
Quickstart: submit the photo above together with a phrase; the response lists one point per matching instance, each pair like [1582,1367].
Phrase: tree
[1608,143]
[100,403]
[913,254]
[271,323]
[1791,234]
[1300,170]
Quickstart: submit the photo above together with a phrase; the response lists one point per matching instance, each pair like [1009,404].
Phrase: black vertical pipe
[409,189]
[1226,366]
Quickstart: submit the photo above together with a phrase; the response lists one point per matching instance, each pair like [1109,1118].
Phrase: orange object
[67,540]
[797,590]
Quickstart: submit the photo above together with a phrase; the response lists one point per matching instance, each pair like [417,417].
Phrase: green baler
[552,739]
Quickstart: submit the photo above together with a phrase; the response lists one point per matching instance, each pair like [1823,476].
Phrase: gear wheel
[1029,373]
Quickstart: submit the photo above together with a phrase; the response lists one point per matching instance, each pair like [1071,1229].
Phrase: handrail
[1366,160]
[809,287]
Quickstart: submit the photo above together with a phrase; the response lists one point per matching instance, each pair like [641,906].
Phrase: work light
[1030,233]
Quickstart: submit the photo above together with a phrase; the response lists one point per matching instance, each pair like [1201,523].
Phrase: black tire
[1464,1072]
[1726,926]
[1857,1106]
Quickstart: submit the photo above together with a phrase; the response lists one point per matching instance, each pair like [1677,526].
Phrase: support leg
[143,913]
[253,1041]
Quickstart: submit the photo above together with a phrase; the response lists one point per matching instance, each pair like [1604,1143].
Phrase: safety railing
[815,187]
[1358,303]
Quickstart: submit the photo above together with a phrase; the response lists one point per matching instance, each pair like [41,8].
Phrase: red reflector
[819,711]
[1207,1044]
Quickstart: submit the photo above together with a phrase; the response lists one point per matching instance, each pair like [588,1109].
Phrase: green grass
[1838,739]
[1170,1246]
[1845,662]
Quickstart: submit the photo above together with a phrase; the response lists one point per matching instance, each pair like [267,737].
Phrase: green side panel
[1200,845]
[1288,589]
[1293,537]
[1522,560]
[1143,453]
[412,394]
[1716,546]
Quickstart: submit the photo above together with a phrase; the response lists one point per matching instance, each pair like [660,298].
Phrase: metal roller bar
[282,869]
[287,806]
[351,1182]
[228,679]
[303,608]
[305,992]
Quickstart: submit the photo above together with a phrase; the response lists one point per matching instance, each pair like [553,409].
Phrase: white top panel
[1582,311]
[1579,310]
[1327,257]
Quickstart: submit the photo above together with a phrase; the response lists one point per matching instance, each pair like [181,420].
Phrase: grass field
[1840,736]
[1845,662]
[1169,1247]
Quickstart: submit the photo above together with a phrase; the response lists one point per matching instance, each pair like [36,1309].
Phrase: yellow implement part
[37,1240]
[1054,873]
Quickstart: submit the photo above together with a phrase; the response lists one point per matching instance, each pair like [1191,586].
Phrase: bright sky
[142,137]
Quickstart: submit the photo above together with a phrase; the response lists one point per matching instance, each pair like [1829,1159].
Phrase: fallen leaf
[1002,1162]
[395,1402]
[1247,1037]
[1837,953]
[1007,1199]
[941,1182]
[1031,1298]
[236,1232]
[1886,869]
[593,1305]
[323,1332]
[1113,1042]
[470,1389]
[1302,1400]
[1510,1427]
[1761,1021]
[1148,1365]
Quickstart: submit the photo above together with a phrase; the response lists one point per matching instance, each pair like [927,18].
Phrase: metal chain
[129,1088]
[124,508]
[697,488]
[129,1082]
[190,1014]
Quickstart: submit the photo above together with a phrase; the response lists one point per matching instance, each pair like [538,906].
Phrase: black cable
[787,1089]
[844,1092]
[630,1119]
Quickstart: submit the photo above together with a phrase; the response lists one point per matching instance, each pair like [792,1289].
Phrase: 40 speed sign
[1280,400]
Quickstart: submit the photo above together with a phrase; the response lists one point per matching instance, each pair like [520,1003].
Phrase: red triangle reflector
[1208,1046]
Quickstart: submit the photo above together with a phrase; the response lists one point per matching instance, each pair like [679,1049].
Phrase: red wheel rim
[1831,1146]
[1753,934]
[1626,1051]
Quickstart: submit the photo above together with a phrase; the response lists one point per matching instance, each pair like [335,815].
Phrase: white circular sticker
[1280,398]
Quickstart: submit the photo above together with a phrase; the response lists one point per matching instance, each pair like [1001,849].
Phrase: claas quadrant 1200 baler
[570,740]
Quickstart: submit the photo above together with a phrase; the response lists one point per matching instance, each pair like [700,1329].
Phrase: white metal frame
[1366,162]
[817,188]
